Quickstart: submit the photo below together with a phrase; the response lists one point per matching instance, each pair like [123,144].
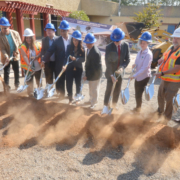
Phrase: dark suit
[93,65]
[111,59]
[59,50]
[49,66]
[74,71]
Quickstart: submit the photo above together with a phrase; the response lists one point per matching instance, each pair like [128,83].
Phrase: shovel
[125,93]
[176,102]
[39,92]
[27,78]
[49,87]
[80,96]
[108,109]
[149,90]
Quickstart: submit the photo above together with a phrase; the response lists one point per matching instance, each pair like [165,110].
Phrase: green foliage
[81,15]
[149,16]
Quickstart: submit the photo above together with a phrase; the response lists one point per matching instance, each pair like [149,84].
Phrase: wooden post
[45,21]
[20,26]
[20,23]
[9,16]
[32,24]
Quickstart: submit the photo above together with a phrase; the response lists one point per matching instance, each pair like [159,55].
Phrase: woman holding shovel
[30,52]
[143,68]
[75,51]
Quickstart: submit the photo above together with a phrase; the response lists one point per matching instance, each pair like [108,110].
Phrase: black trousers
[116,91]
[15,66]
[49,72]
[60,84]
[139,89]
[37,76]
[72,74]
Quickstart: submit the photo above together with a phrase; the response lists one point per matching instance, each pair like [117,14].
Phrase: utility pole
[119,9]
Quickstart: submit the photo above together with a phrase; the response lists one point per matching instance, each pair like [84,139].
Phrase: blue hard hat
[146,36]
[4,22]
[117,35]
[64,25]
[77,35]
[89,39]
[50,26]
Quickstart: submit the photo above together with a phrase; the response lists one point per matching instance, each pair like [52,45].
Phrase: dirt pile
[26,122]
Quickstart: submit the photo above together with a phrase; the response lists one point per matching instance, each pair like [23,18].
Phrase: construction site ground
[49,139]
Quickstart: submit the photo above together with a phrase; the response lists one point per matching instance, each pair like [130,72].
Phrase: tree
[79,15]
[149,16]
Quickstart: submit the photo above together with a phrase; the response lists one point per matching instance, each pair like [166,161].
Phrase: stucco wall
[99,8]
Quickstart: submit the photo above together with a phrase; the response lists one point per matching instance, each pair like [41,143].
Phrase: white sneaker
[93,106]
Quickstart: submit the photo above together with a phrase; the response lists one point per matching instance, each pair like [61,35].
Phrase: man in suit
[46,43]
[93,68]
[59,48]
[9,43]
[117,57]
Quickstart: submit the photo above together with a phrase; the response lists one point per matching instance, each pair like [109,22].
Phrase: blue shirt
[11,44]
[52,58]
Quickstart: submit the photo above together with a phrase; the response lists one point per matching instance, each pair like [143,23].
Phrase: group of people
[54,52]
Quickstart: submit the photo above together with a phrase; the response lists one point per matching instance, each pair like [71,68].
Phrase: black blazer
[111,57]
[80,56]
[45,45]
[93,65]
[58,48]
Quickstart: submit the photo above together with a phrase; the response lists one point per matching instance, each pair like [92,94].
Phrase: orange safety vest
[37,48]
[169,63]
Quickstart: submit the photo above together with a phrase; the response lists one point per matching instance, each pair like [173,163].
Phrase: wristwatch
[162,74]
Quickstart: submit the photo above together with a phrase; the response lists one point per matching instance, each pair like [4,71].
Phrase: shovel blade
[149,92]
[51,92]
[105,110]
[22,88]
[125,96]
[39,93]
[147,97]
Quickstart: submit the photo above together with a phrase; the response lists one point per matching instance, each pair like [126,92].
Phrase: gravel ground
[146,155]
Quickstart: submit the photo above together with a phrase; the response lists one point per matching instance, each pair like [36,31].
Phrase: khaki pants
[94,91]
[167,90]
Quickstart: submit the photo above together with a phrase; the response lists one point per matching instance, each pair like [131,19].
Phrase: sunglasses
[5,28]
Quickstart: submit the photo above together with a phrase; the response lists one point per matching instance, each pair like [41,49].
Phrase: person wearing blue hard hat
[59,48]
[47,41]
[93,69]
[9,43]
[76,53]
[143,68]
[117,58]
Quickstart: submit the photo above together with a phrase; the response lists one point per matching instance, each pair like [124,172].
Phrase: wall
[99,8]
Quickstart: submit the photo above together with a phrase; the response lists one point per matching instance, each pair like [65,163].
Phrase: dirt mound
[26,122]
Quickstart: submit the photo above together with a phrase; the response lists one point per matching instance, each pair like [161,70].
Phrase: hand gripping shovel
[39,92]
[108,109]
[49,87]
[149,90]
[6,64]
[125,93]
[27,78]
[176,102]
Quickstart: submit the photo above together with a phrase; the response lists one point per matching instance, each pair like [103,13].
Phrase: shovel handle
[112,91]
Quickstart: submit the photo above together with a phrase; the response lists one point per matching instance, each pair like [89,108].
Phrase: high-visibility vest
[37,48]
[169,63]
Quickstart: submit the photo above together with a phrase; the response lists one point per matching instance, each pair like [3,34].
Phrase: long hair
[80,48]
[31,46]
